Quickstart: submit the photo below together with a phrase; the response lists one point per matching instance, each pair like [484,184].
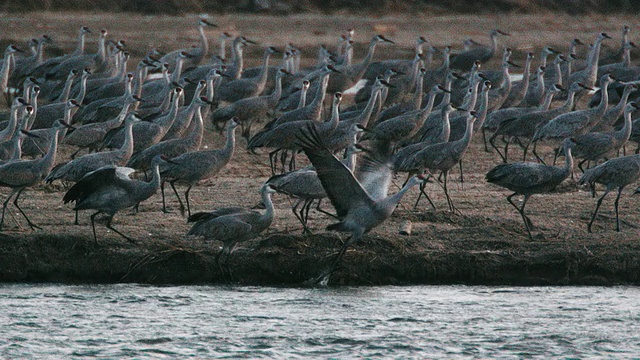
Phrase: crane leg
[164,201]
[186,198]
[446,193]
[324,211]
[506,150]
[15,202]
[492,142]
[484,140]
[422,192]
[116,231]
[535,144]
[528,224]
[76,222]
[272,161]
[93,225]
[4,206]
[616,208]
[172,183]
[595,212]
[300,214]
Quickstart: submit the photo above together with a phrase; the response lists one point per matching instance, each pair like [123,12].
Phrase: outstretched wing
[91,182]
[344,191]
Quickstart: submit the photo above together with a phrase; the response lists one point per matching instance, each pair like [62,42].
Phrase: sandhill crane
[5,72]
[361,203]
[588,76]
[350,74]
[21,174]
[235,90]
[305,186]
[380,67]
[235,227]
[77,168]
[576,122]
[284,137]
[197,53]
[37,145]
[186,114]
[39,71]
[12,148]
[611,116]
[174,147]
[12,125]
[614,173]
[147,133]
[535,91]
[109,190]
[97,62]
[464,61]
[235,67]
[90,136]
[527,178]
[48,114]
[502,119]
[623,71]
[190,168]
[313,110]
[440,156]
[25,65]
[519,88]
[403,126]
[251,110]
[415,103]
[595,146]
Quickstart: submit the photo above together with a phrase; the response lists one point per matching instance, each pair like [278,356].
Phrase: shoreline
[290,260]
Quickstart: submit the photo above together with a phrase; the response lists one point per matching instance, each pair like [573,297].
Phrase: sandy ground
[486,231]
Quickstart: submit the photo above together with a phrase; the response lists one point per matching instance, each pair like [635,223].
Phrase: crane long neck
[625,132]
[548,98]
[321,93]
[8,132]
[568,161]
[177,71]
[526,73]
[80,47]
[39,56]
[482,111]
[195,136]
[277,91]
[264,71]
[592,65]
[230,143]
[267,217]
[4,72]
[204,42]
[365,116]
[101,55]
[127,145]
[604,99]
[83,89]
[446,125]
[47,161]
[419,93]
[390,202]
[66,92]
[570,99]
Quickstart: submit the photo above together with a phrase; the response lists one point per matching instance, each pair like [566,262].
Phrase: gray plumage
[37,145]
[77,168]
[595,146]
[109,190]
[464,60]
[197,54]
[361,203]
[250,110]
[614,173]
[235,227]
[21,174]
[235,90]
[527,178]
[576,122]
[190,168]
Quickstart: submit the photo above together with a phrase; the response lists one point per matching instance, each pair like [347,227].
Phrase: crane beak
[28,133]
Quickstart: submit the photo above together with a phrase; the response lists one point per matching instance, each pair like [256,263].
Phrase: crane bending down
[233,225]
[110,189]
[361,203]
[528,178]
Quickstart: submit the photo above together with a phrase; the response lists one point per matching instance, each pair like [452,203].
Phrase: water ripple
[133,321]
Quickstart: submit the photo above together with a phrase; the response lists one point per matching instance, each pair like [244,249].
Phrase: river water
[137,321]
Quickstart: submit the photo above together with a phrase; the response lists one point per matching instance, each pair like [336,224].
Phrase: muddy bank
[288,260]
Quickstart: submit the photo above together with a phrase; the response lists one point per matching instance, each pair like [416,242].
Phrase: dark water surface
[126,321]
